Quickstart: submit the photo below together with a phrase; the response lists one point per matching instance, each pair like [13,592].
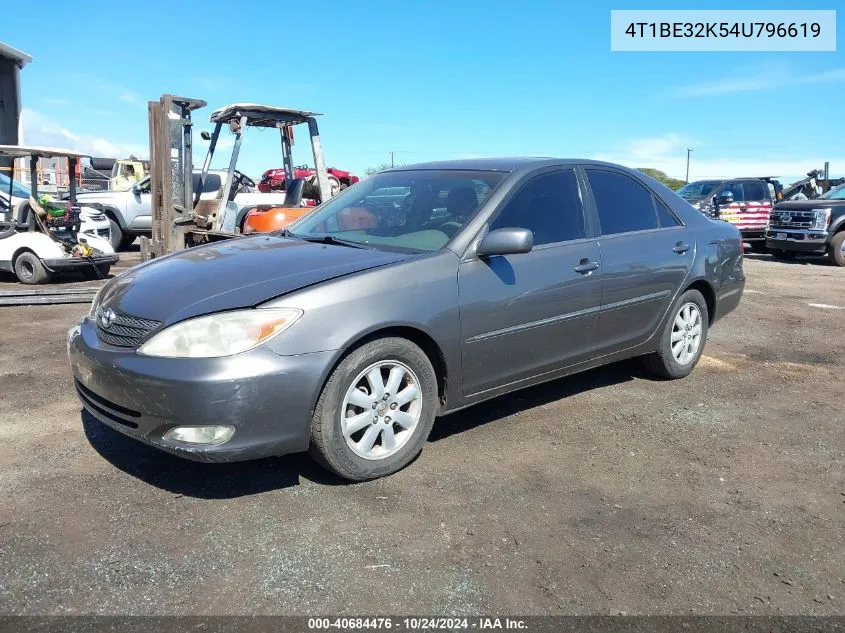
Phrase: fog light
[216,434]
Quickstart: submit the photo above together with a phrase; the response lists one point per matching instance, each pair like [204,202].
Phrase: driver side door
[528,314]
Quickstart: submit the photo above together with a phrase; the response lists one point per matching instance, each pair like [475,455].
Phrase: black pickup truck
[809,226]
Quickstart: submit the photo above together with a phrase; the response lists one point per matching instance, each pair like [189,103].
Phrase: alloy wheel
[686,334]
[381,410]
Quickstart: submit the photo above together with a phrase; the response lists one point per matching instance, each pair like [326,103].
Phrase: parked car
[130,211]
[274,179]
[815,227]
[743,202]
[416,293]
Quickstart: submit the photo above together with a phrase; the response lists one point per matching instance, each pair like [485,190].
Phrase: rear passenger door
[646,255]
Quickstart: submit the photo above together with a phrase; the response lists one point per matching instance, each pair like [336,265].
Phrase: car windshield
[837,193]
[18,190]
[418,210]
[698,189]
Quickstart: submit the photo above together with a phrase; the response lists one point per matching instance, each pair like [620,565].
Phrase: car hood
[234,273]
[806,205]
[93,196]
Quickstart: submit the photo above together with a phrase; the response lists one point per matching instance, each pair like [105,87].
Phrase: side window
[549,205]
[623,204]
[735,189]
[144,185]
[664,215]
[755,192]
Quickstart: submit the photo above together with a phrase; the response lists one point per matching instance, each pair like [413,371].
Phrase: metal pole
[391,159]
[207,162]
[319,163]
[227,186]
[688,153]
[72,179]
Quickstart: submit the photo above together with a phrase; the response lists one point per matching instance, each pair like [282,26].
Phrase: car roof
[506,164]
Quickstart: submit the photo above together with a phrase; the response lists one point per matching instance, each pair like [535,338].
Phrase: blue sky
[430,80]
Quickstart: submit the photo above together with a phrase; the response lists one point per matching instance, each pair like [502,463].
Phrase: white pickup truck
[130,211]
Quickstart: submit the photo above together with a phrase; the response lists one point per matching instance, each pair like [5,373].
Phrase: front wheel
[30,270]
[837,249]
[376,410]
[683,338]
[116,235]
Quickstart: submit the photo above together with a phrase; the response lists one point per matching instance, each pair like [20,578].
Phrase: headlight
[822,219]
[222,334]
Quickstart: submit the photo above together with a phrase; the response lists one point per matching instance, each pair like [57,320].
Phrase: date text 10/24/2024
[728,30]
[417,623]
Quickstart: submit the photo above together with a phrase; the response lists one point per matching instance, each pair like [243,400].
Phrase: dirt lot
[604,493]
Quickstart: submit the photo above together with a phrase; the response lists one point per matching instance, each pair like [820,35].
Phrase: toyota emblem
[107,317]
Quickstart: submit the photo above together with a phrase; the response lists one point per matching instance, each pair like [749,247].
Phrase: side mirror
[725,198]
[507,241]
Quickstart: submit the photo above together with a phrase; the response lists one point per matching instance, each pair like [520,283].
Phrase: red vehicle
[274,179]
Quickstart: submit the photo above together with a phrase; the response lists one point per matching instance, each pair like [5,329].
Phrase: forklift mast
[171,171]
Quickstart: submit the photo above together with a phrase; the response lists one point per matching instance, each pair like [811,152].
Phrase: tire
[781,254]
[836,250]
[340,397]
[126,242]
[30,270]
[758,246]
[664,362]
[116,235]
[334,184]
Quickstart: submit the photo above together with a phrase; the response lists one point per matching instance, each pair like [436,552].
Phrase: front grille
[105,408]
[791,219]
[104,233]
[124,330]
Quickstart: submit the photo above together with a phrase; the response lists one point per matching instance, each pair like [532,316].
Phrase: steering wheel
[244,180]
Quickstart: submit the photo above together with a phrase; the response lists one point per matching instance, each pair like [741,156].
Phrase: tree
[369,171]
[672,183]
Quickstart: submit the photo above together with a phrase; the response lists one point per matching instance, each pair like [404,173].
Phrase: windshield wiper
[325,239]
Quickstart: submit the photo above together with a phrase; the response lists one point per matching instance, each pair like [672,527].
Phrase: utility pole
[688,153]
[391,158]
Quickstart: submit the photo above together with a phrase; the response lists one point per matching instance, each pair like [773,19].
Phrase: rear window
[755,191]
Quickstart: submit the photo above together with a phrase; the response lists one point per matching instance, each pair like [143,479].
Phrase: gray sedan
[413,294]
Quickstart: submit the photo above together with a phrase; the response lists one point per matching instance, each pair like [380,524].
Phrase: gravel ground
[607,492]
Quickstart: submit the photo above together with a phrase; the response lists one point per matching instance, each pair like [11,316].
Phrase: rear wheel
[682,342]
[376,410]
[30,270]
[836,250]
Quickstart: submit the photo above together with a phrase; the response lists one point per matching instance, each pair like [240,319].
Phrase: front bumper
[799,240]
[79,263]
[268,398]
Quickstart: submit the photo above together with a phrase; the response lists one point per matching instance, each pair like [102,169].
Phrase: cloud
[132,98]
[759,81]
[668,154]
[43,131]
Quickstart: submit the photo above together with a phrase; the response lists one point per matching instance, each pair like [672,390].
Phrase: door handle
[680,248]
[586,266]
